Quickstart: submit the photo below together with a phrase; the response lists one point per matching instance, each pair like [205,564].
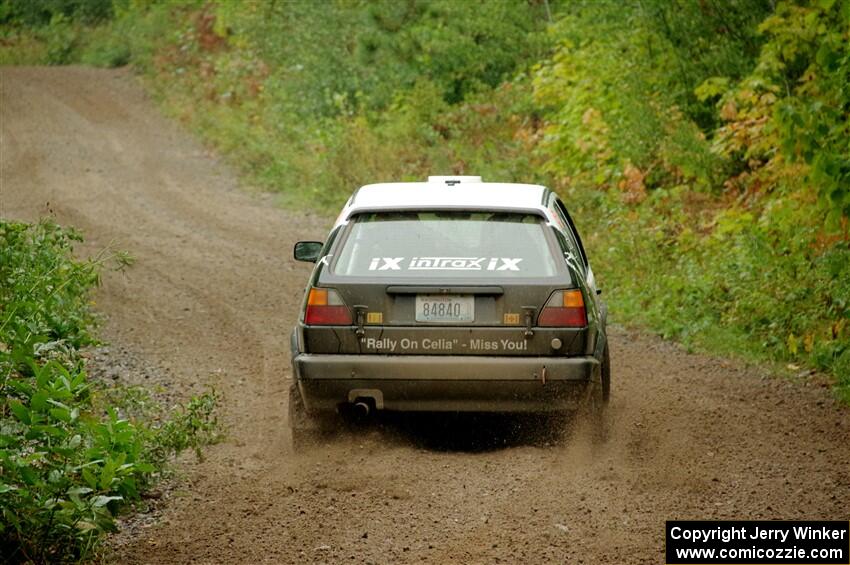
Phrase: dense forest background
[702,145]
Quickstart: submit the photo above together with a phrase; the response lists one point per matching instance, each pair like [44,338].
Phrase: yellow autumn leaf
[808,342]
[792,342]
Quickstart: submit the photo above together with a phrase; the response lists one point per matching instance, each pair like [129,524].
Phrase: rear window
[457,245]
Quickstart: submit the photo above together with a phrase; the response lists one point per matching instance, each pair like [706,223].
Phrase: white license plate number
[444,308]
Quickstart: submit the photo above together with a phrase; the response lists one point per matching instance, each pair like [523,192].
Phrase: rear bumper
[444,383]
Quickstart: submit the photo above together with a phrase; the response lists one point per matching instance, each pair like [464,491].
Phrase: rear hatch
[446,283]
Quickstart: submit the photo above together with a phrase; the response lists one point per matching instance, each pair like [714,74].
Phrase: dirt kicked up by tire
[212,297]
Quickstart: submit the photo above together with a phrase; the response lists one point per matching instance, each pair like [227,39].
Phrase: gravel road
[211,299]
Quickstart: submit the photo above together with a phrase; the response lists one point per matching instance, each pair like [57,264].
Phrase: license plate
[444,308]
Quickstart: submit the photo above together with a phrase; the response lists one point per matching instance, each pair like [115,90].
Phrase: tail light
[564,309]
[326,308]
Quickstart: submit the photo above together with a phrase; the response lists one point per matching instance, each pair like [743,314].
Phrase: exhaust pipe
[361,409]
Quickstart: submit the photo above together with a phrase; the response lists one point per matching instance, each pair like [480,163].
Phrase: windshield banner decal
[445,264]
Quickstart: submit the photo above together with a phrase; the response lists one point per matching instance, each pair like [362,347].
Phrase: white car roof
[446,192]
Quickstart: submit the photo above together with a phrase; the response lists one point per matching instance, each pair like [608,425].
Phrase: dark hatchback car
[452,295]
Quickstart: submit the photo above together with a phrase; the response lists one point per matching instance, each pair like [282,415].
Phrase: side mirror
[308,251]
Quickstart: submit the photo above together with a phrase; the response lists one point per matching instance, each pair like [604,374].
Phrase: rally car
[451,295]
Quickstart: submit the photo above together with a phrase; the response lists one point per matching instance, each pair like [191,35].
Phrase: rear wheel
[596,401]
[606,376]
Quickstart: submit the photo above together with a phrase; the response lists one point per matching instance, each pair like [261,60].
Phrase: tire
[606,376]
[596,401]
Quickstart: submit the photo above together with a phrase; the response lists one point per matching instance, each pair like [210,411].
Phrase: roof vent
[451,181]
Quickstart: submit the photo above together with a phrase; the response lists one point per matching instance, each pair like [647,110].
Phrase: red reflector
[562,317]
[327,316]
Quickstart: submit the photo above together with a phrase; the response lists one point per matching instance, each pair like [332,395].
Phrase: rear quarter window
[446,245]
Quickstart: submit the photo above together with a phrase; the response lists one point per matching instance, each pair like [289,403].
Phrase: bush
[21,48]
[35,13]
[43,290]
[68,461]
[105,48]
[62,39]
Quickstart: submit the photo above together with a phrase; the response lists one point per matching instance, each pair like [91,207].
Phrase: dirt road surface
[212,297]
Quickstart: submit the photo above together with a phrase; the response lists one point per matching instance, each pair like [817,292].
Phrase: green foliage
[21,48]
[133,35]
[105,48]
[808,48]
[736,280]
[34,13]
[63,472]
[698,162]
[326,58]
[61,32]
[618,92]
[194,426]
[43,290]
[712,38]
[62,39]
[57,42]
[68,462]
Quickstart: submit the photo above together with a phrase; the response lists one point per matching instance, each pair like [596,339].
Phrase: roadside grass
[21,48]
[761,286]
[74,452]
